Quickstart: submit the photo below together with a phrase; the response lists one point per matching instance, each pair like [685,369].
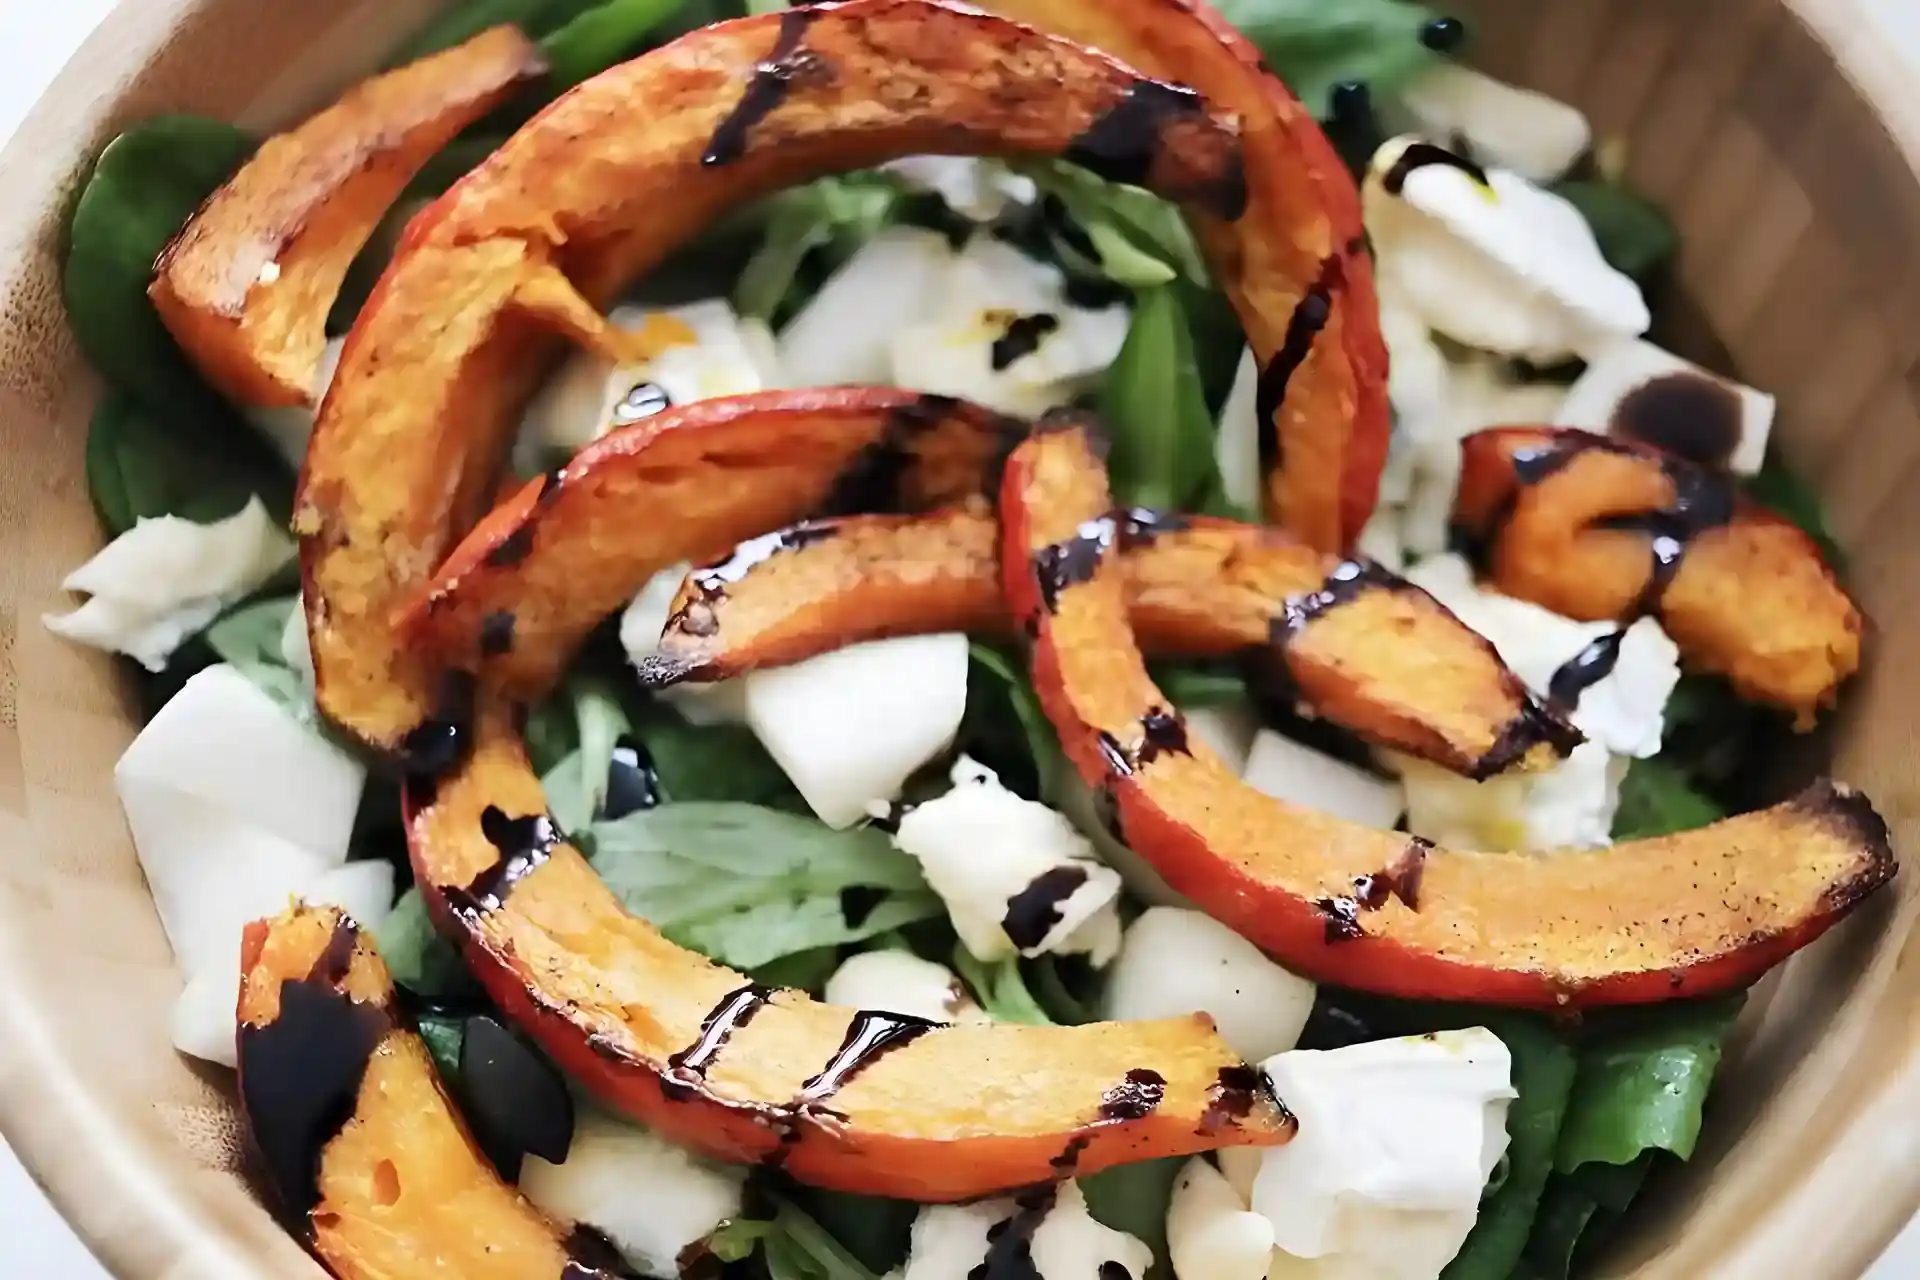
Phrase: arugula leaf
[1160,429]
[602,36]
[1657,799]
[418,957]
[461,22]
[792,1245]
[747,885]
[140,465]
[1313,45]
[838,213]
[876,1231]
[248,639]
[1784,493]
[1000,989]
[1636,237]
[1006,729]
[1134,1198]
[721,762]
[1543,1076]
[1126,234]
[1642,1088]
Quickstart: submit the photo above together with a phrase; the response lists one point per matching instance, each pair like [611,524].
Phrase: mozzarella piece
[1418,374]
[166,578]
[950,1241]
[1174,961]
[1479,394]
[1396,1142]
[1228,729]
[1285,770]
[990,291]
[650,1198]
[1236,445]
[980,190]
[1536,136]
[845,332]
[205,1022]
[290,426]
[850,726]
[1211,1235]
[705,350]
[1016,876]
[901,982]
[364,890]
[1638,390]
[1570,806]
[1508,267]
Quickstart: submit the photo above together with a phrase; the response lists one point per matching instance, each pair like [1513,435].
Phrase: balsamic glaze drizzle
[772,80]
[712,582]
[1584,670]
[1163,732]
[688,1068]
[524,843]
[1310,316]
[1134,1097]
[513,1097]
[437,744]
[1010,1242]
[1022,338]
[1533,722]
[1074,561]
[1121,144]
[1033,912]
[1231,1097]
[1139,526]
[871,1036]
[1370,892]
[874,481]
[1421,155]
[1346,583]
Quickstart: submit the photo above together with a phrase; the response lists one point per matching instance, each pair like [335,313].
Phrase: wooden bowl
[1784,137]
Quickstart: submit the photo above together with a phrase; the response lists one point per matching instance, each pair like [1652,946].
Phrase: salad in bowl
[1054,640]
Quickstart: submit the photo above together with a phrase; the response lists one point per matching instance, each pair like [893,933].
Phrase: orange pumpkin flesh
[246,284]
[1686,915]
[366,1153]
[1295,264]
[1393,665]
[1570,521]
[520,593]
[690,1049]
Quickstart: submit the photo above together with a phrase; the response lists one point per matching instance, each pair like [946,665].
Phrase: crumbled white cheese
[650,1198]
[289,427]
[901,982]
[1505,266]
[1228,728]
[950,1241]
[166,578]
[1638,390]
[1397,1140]
[1016,876]
[590,395]
[850,726]
[977,189]
[1236,445]
[844,334]
[1286,770]
[1003,334]
[1536,136]
[1174,961]
[1211,1234]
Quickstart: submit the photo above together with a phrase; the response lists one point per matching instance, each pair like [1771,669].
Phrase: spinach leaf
[1126,234]
[837,213]
[419,958]
[1000,989]
[747,885]
[710,762]
[1657,799]
[1543,1075]
[1642,1087]
[1160,429]
[1314,45]
[141,465]
[1575,1212]
[1056,995]
[1636,237]
[875,1231]
[791,1244]
[1784,493]
[248,638]
[602,36]
[1134,1198]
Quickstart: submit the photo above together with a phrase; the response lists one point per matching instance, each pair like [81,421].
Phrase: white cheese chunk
[950,1241]
[650,1198]
[1211,1234]
[1397,1140]
[1536,136]
[849,726]
[166,578]
[901,982]
[1570,806]
[289,427]
[364,890]
[1236,445]
[205,1022]
[1479,394]
[1285,770]
[1003,334]
[1174,961]
[977,189]
[844,334]
[1639,391]
[1016,876]
[1507,266]
[1229,729]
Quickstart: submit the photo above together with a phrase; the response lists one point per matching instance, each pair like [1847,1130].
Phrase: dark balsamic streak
[1069,1158]
[513,1097]
[330,966]
[1533,723]
[524,843]
[1231,1097]
[1310,316]
[1033,912]
[1121,144]
[1136,1096]
[1010,1241]
[873,482]
[518,545]
[1072,562]
[1164,732]
[433,748]
[591,1256]
[1140,526]
[1347,582]
[496,633]
[871,1036]
[1342,916]
[687,1069]
[1422,155]
[1022,338]
[1584,670]
[772,80]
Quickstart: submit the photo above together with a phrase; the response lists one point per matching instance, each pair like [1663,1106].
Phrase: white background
[36,37]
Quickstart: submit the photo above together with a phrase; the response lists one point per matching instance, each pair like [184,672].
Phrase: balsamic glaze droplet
[1444,34]
[1353,126]
[1347,582]
[513,1098]
[688,1068]
[524,844]
[1118,761]
[642,401]
[1534,722]
[1035,910]
[1424,155]
[437,745]
[772,81]
[1072,562]
[1585,669]
[496,633]
[712,582]
[632,784]
[1342,917]
[871,1036]
[1310,316]
[1231,1097]
[1022,338]
[1164,733]
[1134,1097]
[1686,414]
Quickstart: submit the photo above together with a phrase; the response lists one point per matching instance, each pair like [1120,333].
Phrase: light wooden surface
[1882,36]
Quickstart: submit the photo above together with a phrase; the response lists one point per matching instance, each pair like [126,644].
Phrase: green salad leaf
[1575,1212]
[1134,1198]
[747,885]
[874,1230]
[141,465]
[599,37]
[1000,988]
[1055,994]
[1192,685]
[248,638]
[1658,799]
[1636,237]
[791,1245]
[459,23]
[1781,490]
[444,1036]
[1314,45]
[419,958]
[710,762]
[1160,429]
[1126,234]
[1642,1088]
[1006,729]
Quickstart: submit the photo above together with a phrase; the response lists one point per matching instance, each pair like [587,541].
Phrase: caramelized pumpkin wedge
[370,1162]
[1295,263]
[851,1099]
[1392,665]
[623,169]
[246,284]
[1687,915]
[524,589]
[1597,528]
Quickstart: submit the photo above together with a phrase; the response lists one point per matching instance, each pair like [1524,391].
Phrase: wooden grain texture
[1785,138]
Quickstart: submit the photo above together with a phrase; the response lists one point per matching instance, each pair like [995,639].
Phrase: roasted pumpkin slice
[246,285]
[368,1158]
[1295,263]
[852,1099]
[527,585]
[1392,665]
[1652,920]
[1595,528]
[624,168]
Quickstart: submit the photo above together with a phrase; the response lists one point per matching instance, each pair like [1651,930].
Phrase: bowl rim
[130,1214]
